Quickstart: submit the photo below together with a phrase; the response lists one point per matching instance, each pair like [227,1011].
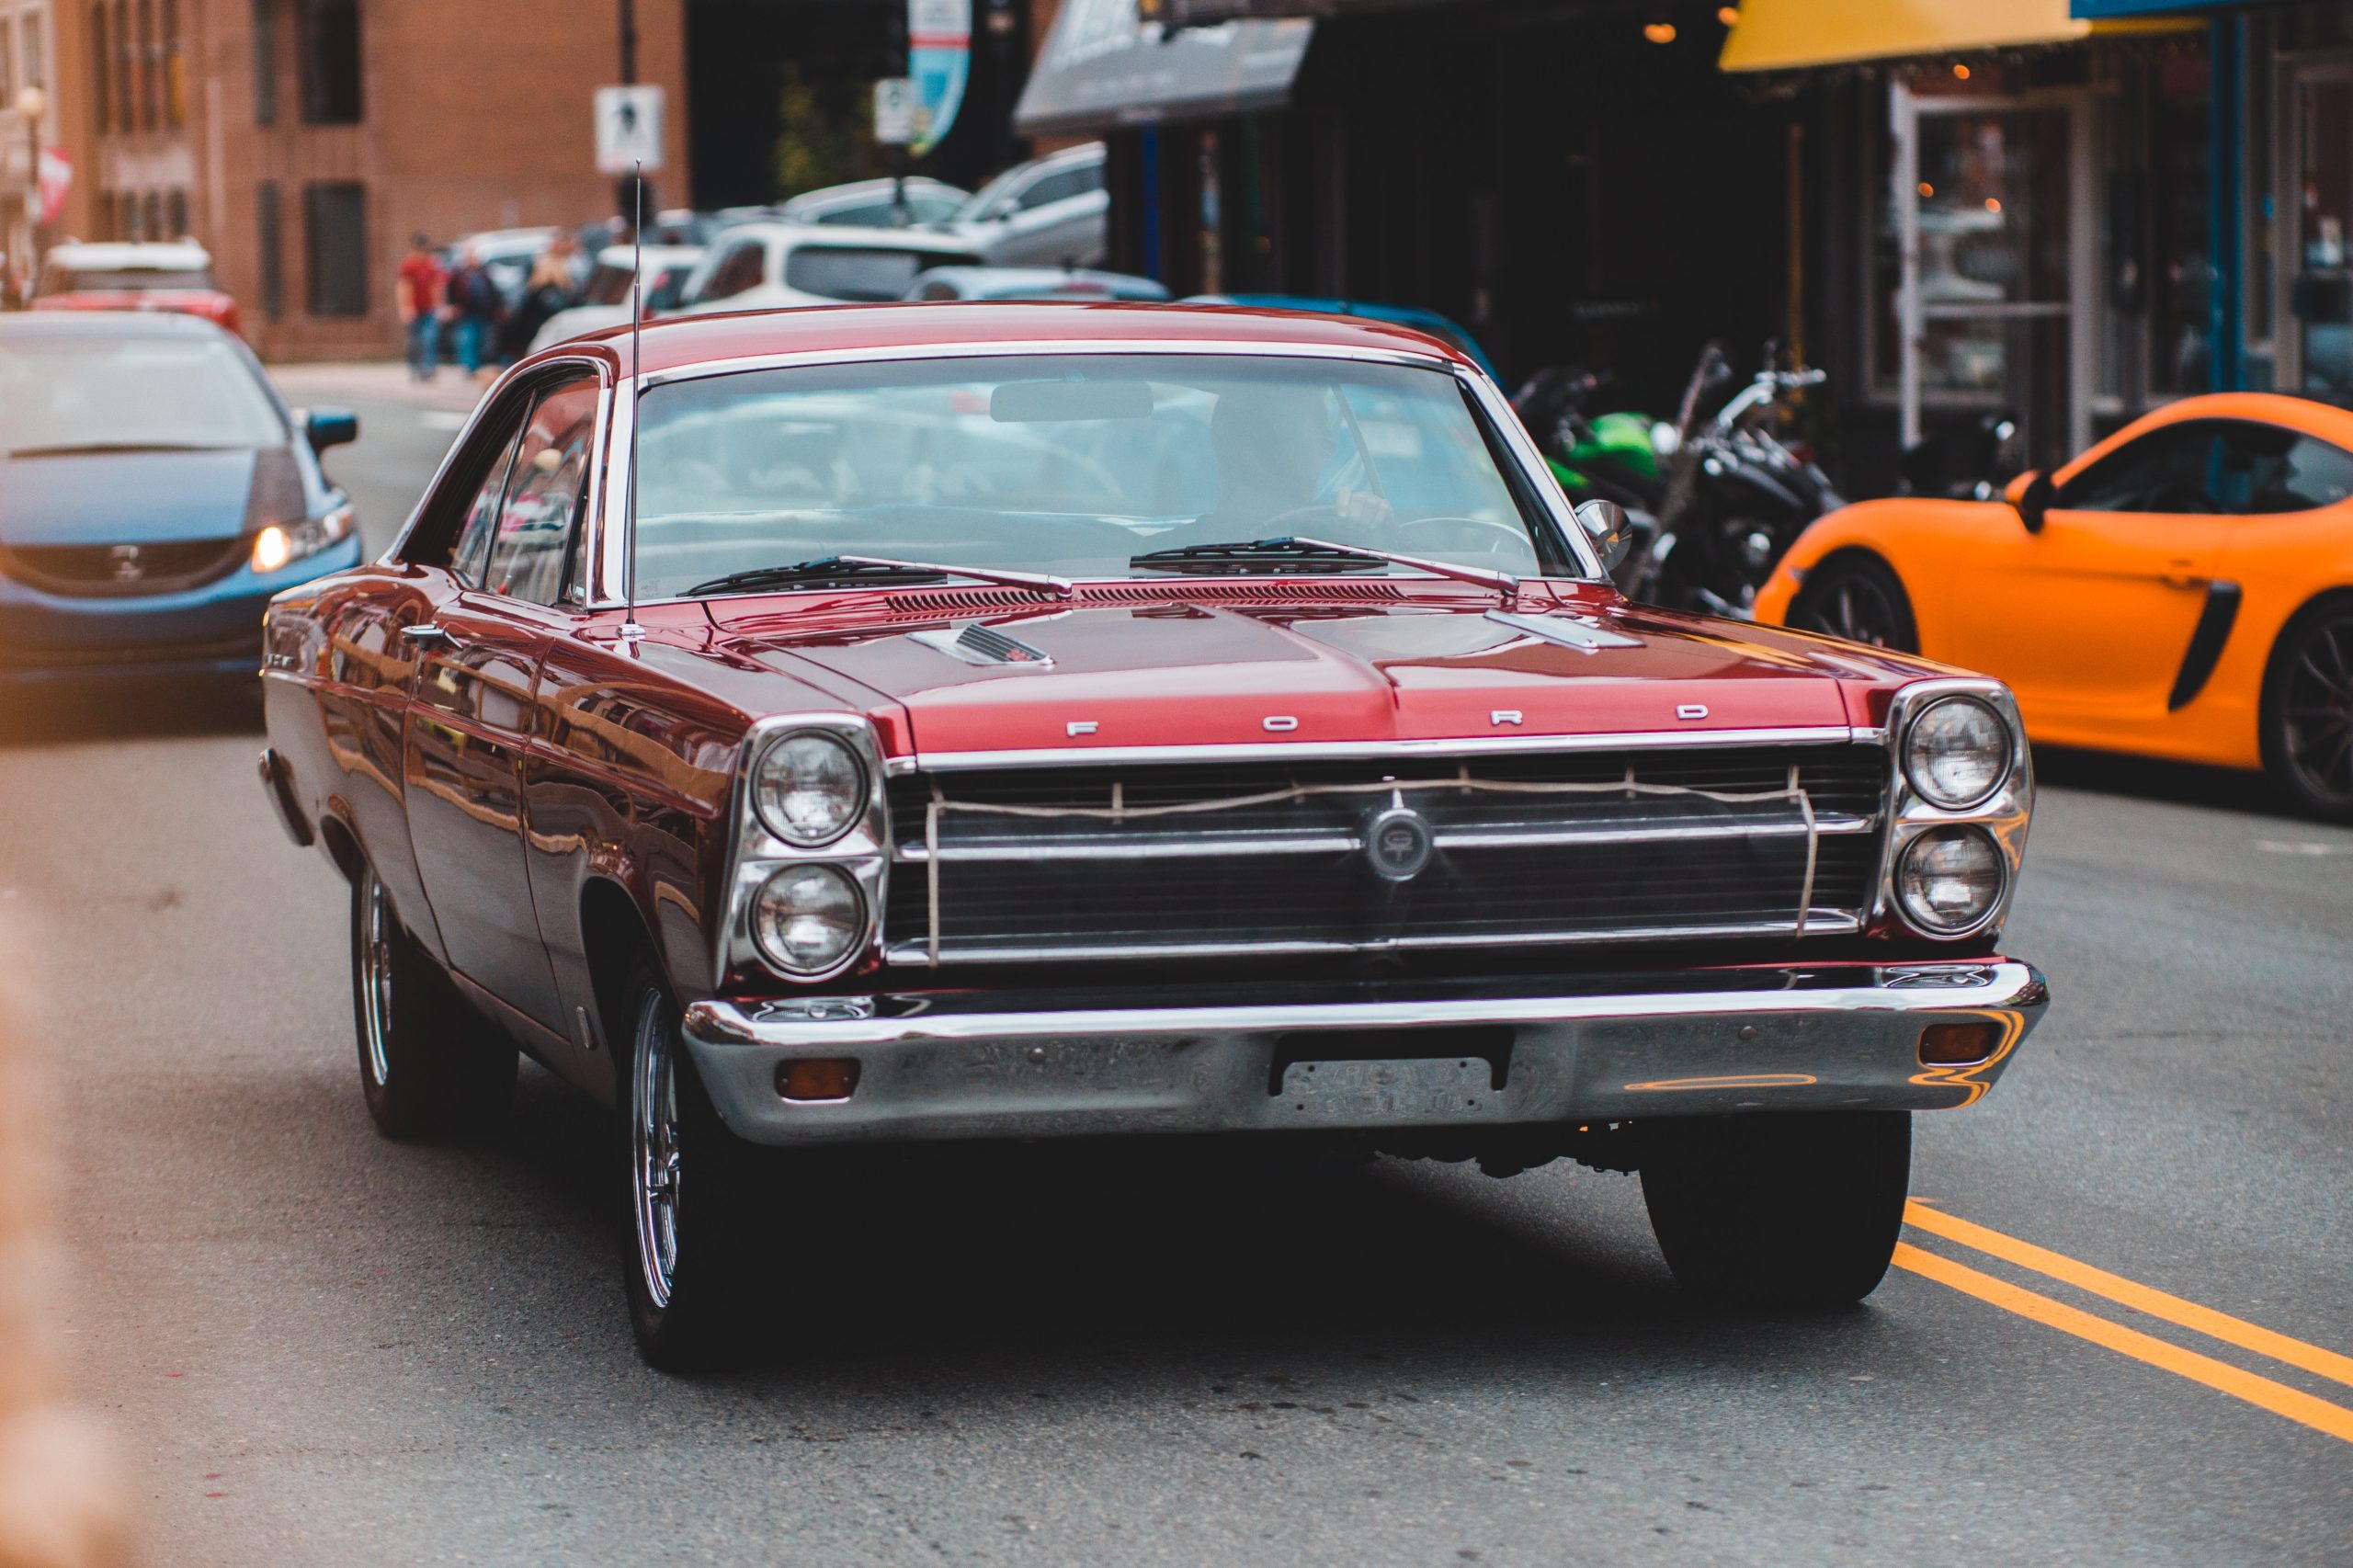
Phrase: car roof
[844,237]
[107,324]
[685,342]
[988,282]
[660,256]
[865,190]
[130,254]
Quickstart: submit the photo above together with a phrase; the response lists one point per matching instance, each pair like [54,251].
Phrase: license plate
[1390,1093]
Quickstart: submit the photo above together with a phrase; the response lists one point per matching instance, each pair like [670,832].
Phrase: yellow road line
[2157,1303]
[2277,1398]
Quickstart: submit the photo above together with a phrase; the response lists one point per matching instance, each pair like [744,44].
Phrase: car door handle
[2178,574]
[424,632]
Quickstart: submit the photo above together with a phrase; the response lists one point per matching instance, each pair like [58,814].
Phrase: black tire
[2307,712]
[689,1243]
[1858,596]
[429,1065]
[1781,1209]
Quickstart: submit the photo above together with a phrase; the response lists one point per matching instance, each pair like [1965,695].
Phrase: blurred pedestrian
[549,291]
[473,307]
[418,292]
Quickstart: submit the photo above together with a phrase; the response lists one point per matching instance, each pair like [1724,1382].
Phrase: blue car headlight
[282,544]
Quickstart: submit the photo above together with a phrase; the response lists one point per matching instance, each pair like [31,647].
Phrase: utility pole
[629,43]
[32,103]
[630,197]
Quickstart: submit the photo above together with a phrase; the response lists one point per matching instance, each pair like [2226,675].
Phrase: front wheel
[2308,711]
[1778,1209]
[689,1257]
[429,1064]
[1857,598]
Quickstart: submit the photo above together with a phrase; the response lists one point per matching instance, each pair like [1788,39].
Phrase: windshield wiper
[1269,554]
[856,570]
[83,449]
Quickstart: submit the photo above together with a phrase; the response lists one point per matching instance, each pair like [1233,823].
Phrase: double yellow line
[2277,1397]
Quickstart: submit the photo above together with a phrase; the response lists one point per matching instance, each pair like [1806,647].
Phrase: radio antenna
[631,629]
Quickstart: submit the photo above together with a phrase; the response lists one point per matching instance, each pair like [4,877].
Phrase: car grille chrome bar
[1226,857]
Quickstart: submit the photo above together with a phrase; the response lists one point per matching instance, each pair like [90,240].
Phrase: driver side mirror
[324,427]
[1605,524]
[2030,494]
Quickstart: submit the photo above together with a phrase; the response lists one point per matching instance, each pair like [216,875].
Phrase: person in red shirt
[420,288]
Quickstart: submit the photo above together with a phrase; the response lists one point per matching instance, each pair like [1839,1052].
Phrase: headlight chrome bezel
[756,852]
[300,539]
[1914,767]
[2002,813]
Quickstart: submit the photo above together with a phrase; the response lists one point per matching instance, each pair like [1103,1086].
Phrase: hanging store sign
[939,60]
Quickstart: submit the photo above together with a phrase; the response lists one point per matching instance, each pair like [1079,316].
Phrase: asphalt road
[317,1346]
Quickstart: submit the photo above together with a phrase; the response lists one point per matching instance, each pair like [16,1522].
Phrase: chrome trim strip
[1835,922]
[1902,988]
[1105,848]
[969,349]
[1346,751]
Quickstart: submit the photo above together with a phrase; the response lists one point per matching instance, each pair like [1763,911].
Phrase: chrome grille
[1019,864]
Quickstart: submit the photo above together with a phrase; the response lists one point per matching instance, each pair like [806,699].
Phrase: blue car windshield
[1073,464]
[80,392]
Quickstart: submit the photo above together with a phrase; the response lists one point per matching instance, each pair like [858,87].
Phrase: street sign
[628,129]
[939,56]
[894,111]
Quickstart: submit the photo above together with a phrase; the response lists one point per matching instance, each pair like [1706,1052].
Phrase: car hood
[1167,668]
[143,497]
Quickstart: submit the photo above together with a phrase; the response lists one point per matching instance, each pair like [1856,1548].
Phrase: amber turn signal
[1957,1045]
[822,1079]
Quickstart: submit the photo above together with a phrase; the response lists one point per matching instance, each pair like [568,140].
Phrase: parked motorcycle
[1715,499]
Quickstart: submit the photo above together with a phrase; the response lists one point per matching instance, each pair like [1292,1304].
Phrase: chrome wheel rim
[2319,710]
[653,1150]
[1853,607]
[376,980]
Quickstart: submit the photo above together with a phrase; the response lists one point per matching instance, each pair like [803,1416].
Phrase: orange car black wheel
[2308,710]
[1857,596]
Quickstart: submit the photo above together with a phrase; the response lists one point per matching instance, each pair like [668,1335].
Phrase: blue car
[1420,320]
[154,493]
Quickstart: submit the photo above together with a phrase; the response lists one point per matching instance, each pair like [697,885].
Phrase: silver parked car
[1050,211]
[878,203]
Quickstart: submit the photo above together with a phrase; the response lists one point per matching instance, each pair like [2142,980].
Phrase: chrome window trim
[599,462]
[612,574]
[1368,751]
[2004,815]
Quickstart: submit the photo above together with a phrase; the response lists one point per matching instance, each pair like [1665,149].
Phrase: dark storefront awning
[1101,68]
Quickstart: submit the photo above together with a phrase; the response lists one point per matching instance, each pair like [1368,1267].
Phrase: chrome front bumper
[1707,1042]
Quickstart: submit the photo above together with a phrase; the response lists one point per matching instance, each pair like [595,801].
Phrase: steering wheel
[1480,536]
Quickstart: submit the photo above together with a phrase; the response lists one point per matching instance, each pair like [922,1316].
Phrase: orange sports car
[2184,589]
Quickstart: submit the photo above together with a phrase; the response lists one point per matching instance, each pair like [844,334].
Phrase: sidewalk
[384,380]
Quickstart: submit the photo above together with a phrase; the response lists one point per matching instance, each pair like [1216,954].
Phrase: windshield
[84,392]
[124,279]
[1071,464]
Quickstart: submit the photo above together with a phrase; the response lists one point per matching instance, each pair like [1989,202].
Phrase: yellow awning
[1791,35]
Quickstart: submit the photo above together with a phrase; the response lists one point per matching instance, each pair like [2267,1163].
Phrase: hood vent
[978,643]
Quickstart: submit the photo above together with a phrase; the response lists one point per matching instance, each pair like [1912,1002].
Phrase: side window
[2176,468]
[2279,470]
[739,269]
[468,540]
[534,535]
[1060,185]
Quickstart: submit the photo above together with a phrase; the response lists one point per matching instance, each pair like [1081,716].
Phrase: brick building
[303,141]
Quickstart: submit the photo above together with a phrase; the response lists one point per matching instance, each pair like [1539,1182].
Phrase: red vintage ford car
[937,723]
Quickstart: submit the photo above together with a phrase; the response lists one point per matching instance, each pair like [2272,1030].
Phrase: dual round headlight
[1956,753]
[809,788]
[1950,879]
[809,920]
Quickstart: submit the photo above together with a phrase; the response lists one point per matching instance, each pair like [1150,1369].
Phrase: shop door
[2318,180]
[1992,200]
